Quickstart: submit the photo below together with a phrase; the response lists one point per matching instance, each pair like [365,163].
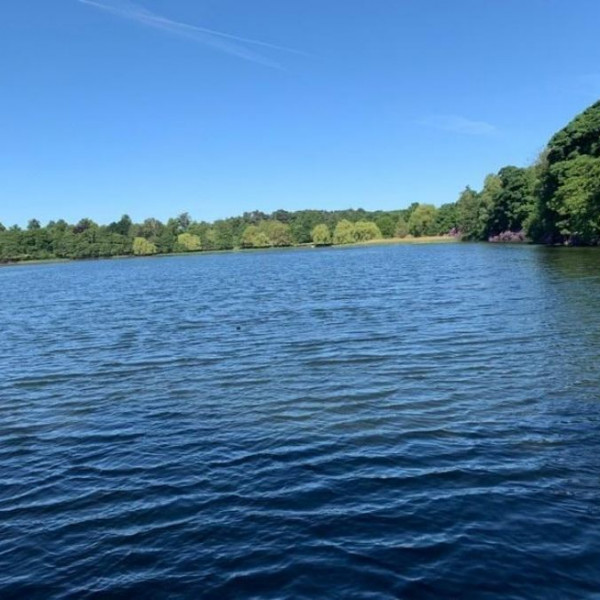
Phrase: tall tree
[471,215]
[513,202]
[567,194]
[422,220]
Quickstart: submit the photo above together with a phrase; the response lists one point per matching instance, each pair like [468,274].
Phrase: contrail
[231,44]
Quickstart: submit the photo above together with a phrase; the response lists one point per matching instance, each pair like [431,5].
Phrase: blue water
[365,423]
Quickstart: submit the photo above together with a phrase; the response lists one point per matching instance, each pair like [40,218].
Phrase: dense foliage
[556,200]
[87,239]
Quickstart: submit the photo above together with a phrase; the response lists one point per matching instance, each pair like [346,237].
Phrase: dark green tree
[471,215]
[123,226]
[386,225]
[513,202]
[567,202]
[446,219]
[183,222]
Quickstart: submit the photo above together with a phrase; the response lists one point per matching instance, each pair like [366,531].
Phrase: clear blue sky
[110,107]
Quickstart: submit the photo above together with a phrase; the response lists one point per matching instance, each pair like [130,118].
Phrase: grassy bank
[432,239]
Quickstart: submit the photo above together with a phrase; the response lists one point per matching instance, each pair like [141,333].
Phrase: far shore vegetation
[255,230]
[554,201]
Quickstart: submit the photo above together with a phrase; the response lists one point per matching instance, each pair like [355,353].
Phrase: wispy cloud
[225,42]
[457,124]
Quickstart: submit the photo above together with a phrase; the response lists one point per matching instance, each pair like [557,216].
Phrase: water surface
[369,423]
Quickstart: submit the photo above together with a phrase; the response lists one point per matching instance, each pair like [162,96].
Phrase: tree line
[87,239]
[554,201]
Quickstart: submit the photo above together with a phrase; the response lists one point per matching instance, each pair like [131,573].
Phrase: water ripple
[376,423]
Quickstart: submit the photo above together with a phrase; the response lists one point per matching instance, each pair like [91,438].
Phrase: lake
[369,423]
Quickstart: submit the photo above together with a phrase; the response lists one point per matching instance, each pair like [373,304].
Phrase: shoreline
[408,240]
[431,239]
[378,242]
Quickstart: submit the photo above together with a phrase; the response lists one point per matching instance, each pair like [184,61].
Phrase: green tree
[472,215]
[279,234]
[401,228]
[249,236]
[386,225]
[84,225]
[366,230]
[188,242]
[321,236]
[223,235]
[445,219]
[422,220]
[580,137]
[142,247]
[302,224]
[566,192]
[576,202]
[344,233]
[166,240]
[183,222]
[281,215]
[123,226]
[407,212]
[253,237]
[513,202]
[151,229]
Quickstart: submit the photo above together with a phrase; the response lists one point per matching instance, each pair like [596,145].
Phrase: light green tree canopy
[279,234]
[321,236]
[142,247]
[253,237]
[365,231]
[344,233]
[189,242]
